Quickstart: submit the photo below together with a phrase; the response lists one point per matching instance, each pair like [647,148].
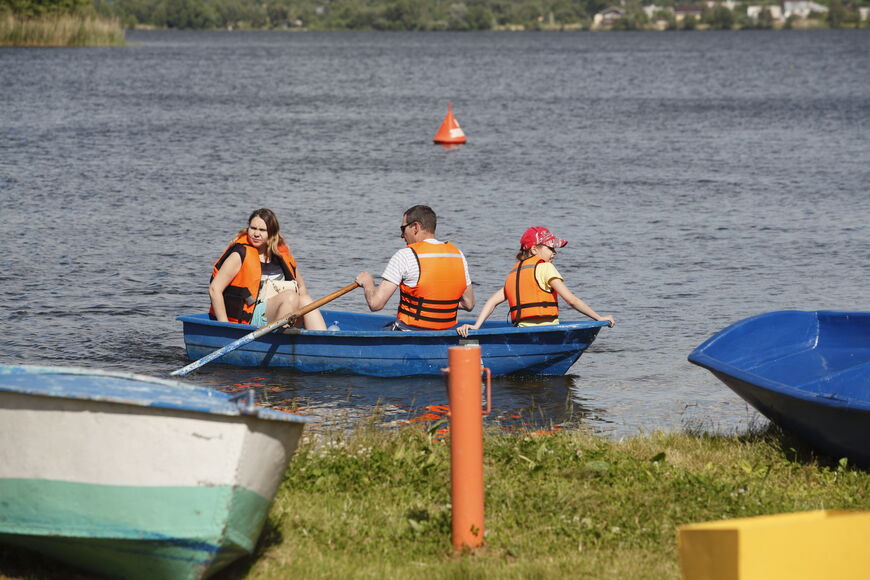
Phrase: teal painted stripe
[95,526]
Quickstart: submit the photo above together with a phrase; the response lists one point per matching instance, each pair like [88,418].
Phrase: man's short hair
[422,214]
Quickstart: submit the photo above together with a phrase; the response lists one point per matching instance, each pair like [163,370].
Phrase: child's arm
[577,304]
[487,309]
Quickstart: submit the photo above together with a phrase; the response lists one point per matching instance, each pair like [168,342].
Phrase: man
[432,277]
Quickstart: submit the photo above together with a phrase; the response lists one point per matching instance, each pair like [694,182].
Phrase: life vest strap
[532,305]
[526,267]
[410,302]
[416,307]
[418,316]
[408,308]
[413,300]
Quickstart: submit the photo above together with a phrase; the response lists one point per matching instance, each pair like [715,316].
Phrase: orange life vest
[525,296]
[433,302]
[240,295]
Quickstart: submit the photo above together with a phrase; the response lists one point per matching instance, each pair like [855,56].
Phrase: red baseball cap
[537,235]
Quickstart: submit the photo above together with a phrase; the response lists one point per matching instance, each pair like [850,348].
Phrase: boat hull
[136,489]
[362,347]
[808,372]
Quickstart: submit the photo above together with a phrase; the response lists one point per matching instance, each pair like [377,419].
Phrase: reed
[60,30]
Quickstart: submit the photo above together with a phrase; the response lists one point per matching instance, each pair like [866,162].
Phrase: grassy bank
[60,30]
[375,503]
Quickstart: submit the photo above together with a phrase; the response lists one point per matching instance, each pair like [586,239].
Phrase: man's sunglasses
[402,228]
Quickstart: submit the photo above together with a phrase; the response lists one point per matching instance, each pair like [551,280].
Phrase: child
[533,285]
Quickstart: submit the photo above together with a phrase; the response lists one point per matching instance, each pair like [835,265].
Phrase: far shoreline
[92,31]
[799,25]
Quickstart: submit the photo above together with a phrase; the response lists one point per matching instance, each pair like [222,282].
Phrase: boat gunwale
[231,407]
[561,327]
[700,357]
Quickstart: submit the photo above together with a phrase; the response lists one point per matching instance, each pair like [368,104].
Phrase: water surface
[700,178]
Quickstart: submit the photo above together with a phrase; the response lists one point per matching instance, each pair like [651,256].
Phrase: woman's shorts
[258,318]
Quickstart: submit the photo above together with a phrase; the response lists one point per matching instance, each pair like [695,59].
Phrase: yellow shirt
[543,274]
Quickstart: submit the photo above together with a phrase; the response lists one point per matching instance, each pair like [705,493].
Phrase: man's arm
[376,296]
[467,300]
[396,271]
[487,309]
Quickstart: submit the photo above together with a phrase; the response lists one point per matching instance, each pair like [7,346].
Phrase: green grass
[374,503]
[60,30]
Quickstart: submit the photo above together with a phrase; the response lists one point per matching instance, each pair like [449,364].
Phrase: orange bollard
[466,445]
[450,133]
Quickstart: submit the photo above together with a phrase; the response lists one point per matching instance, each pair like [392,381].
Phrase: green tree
[718,18]
[404,15]
[836,14]
[479,18]
[690,22]
[457,16]
[568,11]
[633,18]
[32,8]
[668,16]
[186,14]
[525,12]
[765,19]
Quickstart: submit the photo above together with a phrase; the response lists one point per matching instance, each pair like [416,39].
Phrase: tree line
[40,8]
[350,14]
[398,14]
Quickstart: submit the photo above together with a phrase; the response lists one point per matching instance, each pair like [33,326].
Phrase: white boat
[133,476]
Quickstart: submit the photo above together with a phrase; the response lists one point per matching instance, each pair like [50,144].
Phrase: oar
[261,331]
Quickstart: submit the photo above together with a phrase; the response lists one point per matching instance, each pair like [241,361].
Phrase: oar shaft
[318,303]
[261,331]
[218,353]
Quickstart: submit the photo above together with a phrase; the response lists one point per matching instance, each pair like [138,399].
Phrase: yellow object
[813,545]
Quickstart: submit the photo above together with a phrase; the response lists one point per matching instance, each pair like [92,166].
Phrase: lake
[700,178]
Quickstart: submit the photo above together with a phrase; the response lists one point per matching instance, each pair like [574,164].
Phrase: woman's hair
[524,254]
[274,238]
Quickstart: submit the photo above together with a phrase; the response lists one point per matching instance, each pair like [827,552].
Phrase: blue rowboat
[362,347]
[809,372]
[132,476]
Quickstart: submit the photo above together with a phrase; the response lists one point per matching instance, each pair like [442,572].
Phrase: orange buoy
[450,132]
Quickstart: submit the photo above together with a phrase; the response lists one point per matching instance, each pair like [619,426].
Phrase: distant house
[607,17]
[658,15]
[652,10]
[729,4]
[863,13]
[680,12]
[755,11]
[802,8]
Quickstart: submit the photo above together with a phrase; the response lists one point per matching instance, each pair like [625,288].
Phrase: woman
[533,285]
[255,281]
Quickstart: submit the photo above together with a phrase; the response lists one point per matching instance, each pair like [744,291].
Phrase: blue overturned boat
[363,347]
[808,372]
